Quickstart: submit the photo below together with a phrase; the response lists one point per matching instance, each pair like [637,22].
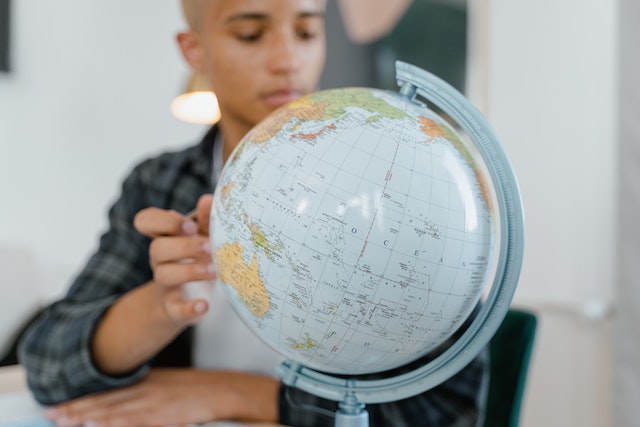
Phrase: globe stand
[354,393]
[351,413]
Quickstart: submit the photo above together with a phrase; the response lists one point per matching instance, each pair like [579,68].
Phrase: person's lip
[280,97]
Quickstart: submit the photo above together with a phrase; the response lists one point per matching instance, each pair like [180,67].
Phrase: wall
[87,98]
[551,75]
[627,344]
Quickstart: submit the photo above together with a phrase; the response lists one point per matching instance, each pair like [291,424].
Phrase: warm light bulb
[196,107]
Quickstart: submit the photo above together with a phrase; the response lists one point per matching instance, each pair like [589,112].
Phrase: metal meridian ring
[416,81]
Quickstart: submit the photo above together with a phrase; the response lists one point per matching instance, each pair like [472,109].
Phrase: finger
[119,414]
[174,249]
[204,212]
[154,222]
[76,411]
[187,311]
[142,412]
[172,273]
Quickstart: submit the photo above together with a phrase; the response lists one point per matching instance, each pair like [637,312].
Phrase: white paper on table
[21,410]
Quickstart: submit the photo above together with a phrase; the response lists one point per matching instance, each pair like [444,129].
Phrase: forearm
[132,331]
[177,397]
[56,354]
[244,397]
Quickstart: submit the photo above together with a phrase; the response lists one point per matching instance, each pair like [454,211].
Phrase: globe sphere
[353,230]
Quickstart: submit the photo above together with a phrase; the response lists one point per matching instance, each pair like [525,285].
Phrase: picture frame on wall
[4,36]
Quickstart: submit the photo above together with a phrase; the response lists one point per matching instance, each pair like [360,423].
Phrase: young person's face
[261,54]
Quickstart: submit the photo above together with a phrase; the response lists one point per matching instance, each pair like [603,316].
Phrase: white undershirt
[222,340]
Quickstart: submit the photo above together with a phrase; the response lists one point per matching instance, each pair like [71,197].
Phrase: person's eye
[249,37]
[309,28]
[247,32]
[306,34]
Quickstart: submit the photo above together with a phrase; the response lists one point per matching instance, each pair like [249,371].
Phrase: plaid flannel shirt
[55,350]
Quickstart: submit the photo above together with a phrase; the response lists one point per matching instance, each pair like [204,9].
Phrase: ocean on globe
[353,230]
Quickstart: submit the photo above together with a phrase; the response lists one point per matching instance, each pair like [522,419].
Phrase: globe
[355,230]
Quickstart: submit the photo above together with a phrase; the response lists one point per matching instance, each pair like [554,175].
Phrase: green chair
[510,350]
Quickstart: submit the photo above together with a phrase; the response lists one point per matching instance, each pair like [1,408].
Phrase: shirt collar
[202,156]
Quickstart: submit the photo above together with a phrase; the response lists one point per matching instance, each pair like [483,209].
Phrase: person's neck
[232,136]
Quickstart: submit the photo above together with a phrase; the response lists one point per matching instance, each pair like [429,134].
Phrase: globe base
[351,413]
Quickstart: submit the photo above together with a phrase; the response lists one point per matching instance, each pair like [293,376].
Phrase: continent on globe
[245,278]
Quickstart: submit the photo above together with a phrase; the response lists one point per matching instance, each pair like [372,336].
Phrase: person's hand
[179,253]
[175,397]
[147,318]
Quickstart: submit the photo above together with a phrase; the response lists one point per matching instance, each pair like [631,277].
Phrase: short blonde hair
[193,11]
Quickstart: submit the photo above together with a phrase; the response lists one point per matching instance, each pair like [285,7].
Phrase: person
[118,349]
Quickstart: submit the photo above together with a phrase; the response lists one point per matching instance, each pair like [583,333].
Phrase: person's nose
[285,55]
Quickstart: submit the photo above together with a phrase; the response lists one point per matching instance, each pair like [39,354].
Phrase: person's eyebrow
[311,14]
[262,16]
[246,16]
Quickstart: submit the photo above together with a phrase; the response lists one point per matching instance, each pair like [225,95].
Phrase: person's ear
[191,49]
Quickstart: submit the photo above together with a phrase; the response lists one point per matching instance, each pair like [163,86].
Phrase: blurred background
[85,89]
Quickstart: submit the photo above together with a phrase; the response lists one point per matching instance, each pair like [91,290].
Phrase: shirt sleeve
[459,401]
[55,350]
